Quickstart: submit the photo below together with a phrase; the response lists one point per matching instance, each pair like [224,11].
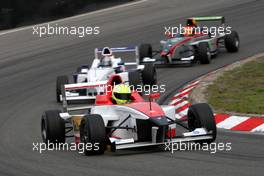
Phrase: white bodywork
[97,74]
[113,115]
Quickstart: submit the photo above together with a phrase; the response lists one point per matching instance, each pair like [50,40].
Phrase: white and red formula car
[140,123]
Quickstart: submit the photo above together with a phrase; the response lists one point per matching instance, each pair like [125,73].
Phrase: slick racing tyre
[203,53]
[145,50]
[52,127]
[232,42]
[149,75]
[135,80]
[93,133]
[61,80]
[201,116]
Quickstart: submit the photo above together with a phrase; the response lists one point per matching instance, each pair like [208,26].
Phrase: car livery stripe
[182,42]
[178,44]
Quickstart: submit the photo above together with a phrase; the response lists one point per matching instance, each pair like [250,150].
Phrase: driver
[121,94]
[189,30]
[169,35]
[108,57]
[109,60]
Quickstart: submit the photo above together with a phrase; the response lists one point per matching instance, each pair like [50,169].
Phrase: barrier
[15,12]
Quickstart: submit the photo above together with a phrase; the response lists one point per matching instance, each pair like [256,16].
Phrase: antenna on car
[153,96]
[150,100]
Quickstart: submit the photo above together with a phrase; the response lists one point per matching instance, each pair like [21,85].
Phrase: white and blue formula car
[105,65]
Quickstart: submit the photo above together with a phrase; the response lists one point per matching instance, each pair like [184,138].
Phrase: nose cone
[159,121]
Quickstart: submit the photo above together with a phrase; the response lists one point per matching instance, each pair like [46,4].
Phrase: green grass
[240,90]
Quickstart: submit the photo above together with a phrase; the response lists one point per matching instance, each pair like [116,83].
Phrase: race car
[199,41]
[104,65]
[108,126]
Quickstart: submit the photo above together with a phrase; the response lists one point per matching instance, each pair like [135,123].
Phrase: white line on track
[74,17]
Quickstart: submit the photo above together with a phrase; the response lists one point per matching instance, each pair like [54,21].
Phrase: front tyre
[93,133]
[201,116]
[232,42]
[145,50]
[203,53]
[134,78]
[52,127]
[149,75]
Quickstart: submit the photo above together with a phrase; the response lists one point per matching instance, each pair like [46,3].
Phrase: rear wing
[68,93]
[85,85]
[209,18]
[129,49]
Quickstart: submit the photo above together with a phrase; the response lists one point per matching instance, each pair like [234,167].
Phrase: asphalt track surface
[29,66]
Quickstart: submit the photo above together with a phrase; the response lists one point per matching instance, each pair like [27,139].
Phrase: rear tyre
[145,50]
[149,75]
[52,127]
[92,132]
[61,80]
[203,53]
[201,116]
[134,78]
[232,42]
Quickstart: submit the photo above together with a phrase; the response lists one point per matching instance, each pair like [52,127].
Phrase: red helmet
[169,34]
[188,30]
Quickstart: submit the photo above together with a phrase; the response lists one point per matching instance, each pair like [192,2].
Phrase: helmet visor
[122,96]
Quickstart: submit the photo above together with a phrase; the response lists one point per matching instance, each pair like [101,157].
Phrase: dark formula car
[197,46]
